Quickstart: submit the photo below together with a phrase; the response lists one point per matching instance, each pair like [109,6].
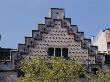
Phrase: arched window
[58,52]
[65,52]
[51,51]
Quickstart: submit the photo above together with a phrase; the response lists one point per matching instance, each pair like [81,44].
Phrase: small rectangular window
[108,45]
[4,55]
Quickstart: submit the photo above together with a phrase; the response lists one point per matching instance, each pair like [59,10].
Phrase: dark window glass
[65,52]
[108,45]
[58,52]
[51,51]
[4,55]
[107,59]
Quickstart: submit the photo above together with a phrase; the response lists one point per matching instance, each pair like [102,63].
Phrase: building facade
[58,37]
[7,68]
[102,40]
[55,37]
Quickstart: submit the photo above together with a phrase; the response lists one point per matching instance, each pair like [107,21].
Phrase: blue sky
[19,17]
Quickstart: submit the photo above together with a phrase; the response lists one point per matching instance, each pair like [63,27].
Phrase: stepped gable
[57,36]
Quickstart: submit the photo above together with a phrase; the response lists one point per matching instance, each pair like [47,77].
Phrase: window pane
[4,55]
[108,45]
[51,51]
[58,52]
[107,59]
[65,52]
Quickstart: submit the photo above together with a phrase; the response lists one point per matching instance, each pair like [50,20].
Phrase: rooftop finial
[56,13]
